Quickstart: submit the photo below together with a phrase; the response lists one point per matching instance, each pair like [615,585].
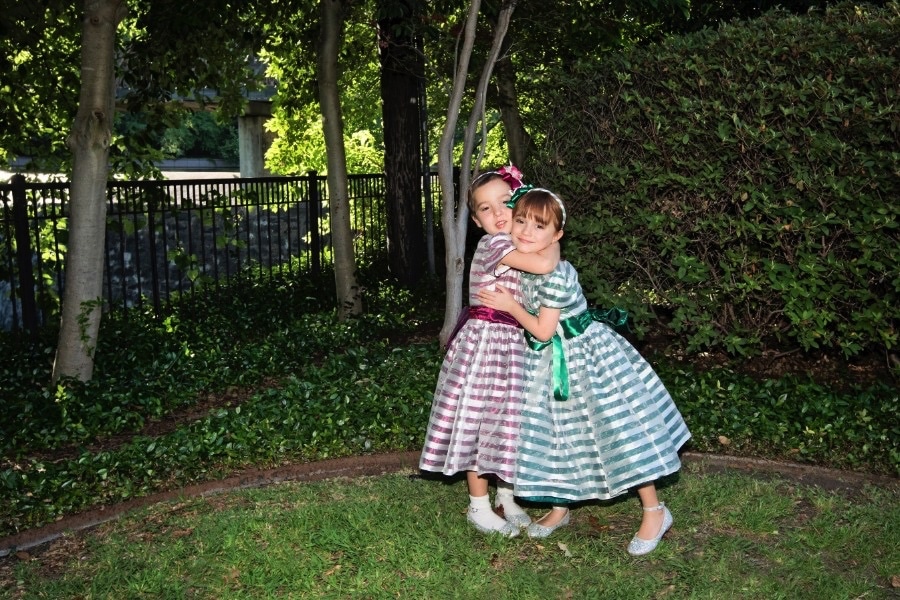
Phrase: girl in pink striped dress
[474,422]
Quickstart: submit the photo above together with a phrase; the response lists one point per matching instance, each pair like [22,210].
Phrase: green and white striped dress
[617,429]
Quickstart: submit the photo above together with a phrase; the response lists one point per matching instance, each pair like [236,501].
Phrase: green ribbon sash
[572,327]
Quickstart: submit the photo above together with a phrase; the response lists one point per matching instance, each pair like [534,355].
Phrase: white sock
[481,513]
[506,499]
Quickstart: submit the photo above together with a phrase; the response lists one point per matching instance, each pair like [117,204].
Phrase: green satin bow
[573,326]
[518,193]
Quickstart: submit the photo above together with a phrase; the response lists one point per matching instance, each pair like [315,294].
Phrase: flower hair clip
[512,176]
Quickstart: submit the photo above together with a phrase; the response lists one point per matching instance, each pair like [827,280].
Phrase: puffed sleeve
[499,245]
[559,289]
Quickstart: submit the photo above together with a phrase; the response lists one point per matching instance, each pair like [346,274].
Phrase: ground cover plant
[402,536]
[265,376]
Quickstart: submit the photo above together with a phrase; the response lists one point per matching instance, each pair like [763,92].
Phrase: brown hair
[543,206]
[479,181]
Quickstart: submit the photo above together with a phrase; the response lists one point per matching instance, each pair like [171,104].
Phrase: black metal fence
[166,238]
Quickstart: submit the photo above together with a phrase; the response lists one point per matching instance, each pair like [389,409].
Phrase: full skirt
[474,422]
[619,427]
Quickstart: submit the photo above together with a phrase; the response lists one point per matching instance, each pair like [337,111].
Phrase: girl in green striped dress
[597,421]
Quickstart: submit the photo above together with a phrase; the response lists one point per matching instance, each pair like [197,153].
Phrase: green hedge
[743,180]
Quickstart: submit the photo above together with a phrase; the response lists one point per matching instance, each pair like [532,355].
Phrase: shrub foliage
[745,180]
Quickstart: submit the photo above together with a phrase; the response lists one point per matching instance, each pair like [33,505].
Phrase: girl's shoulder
[498,239]
[493,244]
[565,270]
[568,267]
[563,276]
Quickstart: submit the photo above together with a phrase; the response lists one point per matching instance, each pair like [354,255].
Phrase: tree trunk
[455,215]
[332,23]
[454,251]
[518,141]
[402,68]
[89,141]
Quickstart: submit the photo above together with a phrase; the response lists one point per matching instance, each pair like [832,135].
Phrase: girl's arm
[542,325]
[539,263]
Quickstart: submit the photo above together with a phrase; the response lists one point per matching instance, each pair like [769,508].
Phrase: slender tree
[518,141]
[332,22]
[455,214]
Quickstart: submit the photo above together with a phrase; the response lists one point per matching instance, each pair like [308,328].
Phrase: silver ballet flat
[520,520]
[508,529]
[536,530]
[639,547]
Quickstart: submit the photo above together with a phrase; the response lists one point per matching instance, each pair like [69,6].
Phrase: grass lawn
[403,536]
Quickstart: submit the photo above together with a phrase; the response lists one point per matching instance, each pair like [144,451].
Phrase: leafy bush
[790,417]
[743,180]
[146,368]
[361,399]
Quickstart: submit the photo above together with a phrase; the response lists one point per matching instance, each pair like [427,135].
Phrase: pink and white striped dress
[474,423]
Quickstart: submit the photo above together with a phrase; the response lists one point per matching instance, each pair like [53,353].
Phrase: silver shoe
[536,530]
[508,529]
[639,547]
[519,519]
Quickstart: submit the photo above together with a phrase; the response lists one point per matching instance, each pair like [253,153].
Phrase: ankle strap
[654,508]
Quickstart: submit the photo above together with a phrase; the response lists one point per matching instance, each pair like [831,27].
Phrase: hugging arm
[539,263]
[542,325]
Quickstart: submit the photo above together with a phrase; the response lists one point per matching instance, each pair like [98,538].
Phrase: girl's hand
[499,299]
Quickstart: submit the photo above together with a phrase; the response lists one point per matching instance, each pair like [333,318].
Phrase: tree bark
[89,141]
[455,214]
[402,68]
[332,22]
[454,257]
[518,141]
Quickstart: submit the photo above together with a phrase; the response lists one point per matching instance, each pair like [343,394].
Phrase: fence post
[154,269]
[24,255]
[314,210]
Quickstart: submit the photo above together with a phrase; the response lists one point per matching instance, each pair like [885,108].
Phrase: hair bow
[518,192]
[512,176]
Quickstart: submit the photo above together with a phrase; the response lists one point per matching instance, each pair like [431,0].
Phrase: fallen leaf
[565,549]
[895,581]
[180,533]
[332,570]
[232,576]
[596,524]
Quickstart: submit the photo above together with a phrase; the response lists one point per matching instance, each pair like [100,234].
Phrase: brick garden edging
[380,464]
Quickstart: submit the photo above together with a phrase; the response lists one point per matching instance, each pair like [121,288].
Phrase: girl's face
[530,235]
[491,212]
